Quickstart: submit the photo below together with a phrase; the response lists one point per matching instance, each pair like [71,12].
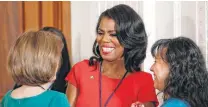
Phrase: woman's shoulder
[142,75]
[175,102]
[84,65]
[54,93]
[7,95]
[141,78]
[84,62]
[58,99]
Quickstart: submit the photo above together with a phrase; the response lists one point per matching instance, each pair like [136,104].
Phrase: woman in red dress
[113,77]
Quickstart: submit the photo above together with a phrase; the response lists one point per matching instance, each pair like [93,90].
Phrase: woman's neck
[40,87]
[114,69]
[28,91]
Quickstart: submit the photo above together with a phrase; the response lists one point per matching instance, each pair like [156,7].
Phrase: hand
[137,104]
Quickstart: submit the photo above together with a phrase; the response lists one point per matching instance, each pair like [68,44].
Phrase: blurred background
[77,20]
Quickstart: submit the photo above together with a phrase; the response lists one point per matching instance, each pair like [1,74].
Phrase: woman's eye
[100,33]
[113,34]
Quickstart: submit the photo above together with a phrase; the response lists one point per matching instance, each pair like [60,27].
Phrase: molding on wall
[177,18]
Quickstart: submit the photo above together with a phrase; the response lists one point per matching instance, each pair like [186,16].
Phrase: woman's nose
[106,38]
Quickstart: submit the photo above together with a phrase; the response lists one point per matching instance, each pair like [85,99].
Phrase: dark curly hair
[188,77]
[131,34]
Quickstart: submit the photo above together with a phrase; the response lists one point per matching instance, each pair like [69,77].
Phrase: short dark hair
[130,33]
[188,77]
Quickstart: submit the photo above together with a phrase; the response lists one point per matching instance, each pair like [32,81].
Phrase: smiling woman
[180,72]
[113,77]
[160,69]
[109,47]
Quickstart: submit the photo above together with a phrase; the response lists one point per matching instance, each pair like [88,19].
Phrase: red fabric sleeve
[73,76]
[147,91]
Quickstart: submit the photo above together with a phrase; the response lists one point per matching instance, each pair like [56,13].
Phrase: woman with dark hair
[60,83]
[180,73]
[113,77]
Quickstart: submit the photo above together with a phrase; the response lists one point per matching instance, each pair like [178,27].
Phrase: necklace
[100,87]
[49,88]
[41,87]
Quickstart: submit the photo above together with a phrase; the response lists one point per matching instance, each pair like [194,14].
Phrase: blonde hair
[35,58]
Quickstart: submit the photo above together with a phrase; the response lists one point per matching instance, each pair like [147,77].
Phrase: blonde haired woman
[33,62]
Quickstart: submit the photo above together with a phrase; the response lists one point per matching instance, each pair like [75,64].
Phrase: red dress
[135,87]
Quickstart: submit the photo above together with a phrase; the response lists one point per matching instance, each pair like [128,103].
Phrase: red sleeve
[147,91]
[73,76]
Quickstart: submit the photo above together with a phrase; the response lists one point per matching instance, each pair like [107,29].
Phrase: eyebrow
[110,31]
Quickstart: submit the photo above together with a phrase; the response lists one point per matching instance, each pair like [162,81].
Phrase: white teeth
[154,77]
[108,49]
